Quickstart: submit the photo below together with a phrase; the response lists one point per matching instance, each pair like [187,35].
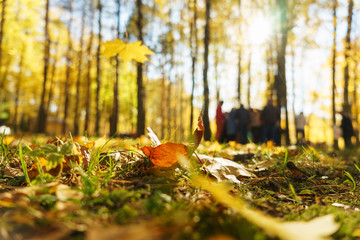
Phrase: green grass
[131,192]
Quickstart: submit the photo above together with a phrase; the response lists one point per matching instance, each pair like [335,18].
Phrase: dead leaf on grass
[224,169]
[165,155]
[168,154]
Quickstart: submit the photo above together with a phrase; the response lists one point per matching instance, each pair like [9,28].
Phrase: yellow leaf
[111,48]
[126,51]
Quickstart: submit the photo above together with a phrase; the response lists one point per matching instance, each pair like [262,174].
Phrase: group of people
[243,124]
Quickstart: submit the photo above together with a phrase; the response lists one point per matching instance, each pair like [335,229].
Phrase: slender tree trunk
[17,90]
[217,84]
[346,106]
[181,108]
[68,69]
[98,71]
[335,4]
[140,127]
[207,132]
[356,103]
[168,100]
[3,8]
[78,80]
[293,87]
[249,82]
[52,77]
[163,99]
[239,61]
[88,73]
[194,52]
[115,109]
[42,115]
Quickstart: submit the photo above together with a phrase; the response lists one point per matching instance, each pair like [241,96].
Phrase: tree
[194,53]
[98,71]
[78,80]
[282,6]
[17,89]
[334,7]
[3,8]
[88,71]
[249,81]
[68,67]
[115,108]
[239,59]
[207,132]
[42,113]
[140,126]
[346,105]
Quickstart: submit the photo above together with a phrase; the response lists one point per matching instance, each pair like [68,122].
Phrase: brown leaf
[165,155]
[197,137]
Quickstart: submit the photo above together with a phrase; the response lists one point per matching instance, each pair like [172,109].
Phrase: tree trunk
[3,8]
[217,84]
[281,51]
[163,99]
[335,141]
[115,109]
[194,52]
[356,103]
[207,132]
[42,115]
[249,82]
[346,106]
[140,126]
[78,80]
[88,73]
[239,61]
[17,90]
[68,68]
[52,77]
[98,72]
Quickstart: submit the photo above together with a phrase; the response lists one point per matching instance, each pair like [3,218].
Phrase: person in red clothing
[220,120]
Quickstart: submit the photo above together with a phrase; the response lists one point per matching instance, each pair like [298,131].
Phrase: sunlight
[260,29]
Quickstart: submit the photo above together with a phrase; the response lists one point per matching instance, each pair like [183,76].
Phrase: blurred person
[347,129]
[300,122]
[231,125]
[269,118]
[255,125]
[220,121]
[243,118]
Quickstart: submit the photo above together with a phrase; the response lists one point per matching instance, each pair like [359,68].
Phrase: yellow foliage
[126,51]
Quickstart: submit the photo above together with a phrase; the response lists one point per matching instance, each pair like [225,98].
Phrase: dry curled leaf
[168,154]
[165,155]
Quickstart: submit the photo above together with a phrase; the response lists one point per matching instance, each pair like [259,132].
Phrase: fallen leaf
[165,155]
[8,139]
[168,154]
[197,136]
[224,169]
[13,172]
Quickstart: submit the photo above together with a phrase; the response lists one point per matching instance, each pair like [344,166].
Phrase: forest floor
[108,189]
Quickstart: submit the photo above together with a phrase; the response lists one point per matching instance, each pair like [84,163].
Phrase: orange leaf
[165,155]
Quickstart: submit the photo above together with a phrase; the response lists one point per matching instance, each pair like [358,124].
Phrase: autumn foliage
[168,154]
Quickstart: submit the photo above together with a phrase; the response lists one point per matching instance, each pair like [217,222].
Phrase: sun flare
[260,29]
